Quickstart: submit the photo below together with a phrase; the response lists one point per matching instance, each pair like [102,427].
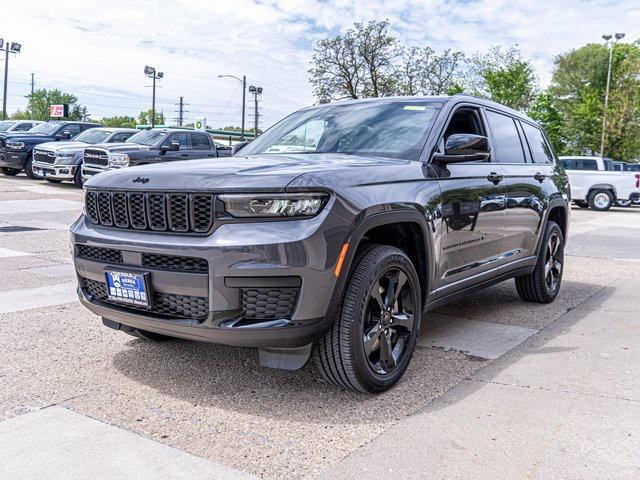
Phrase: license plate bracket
[128,287]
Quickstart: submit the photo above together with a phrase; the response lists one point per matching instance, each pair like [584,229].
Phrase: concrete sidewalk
[565,404]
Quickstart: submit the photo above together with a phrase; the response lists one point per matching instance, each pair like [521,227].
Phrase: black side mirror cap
[464,147]
[172,147]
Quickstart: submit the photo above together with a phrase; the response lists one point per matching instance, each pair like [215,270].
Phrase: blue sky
[97,50]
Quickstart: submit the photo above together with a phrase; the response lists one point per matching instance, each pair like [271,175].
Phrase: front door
[472,210]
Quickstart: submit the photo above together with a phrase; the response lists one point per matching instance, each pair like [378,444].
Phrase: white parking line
[18,300]
[6,253]
[473,337]
[38,205]
[58,443]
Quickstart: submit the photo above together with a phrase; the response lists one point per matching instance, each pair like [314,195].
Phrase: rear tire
[623,203]
[600,200]
[28,169]
[12,172]
[53,180]
[370,343]
[543,284]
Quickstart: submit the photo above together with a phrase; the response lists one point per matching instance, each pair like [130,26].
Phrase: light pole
[256,91]
[243,81]
[152,73]
[8,48]
[607,39]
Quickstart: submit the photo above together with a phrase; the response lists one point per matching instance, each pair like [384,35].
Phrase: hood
[60,146]
[120,147]
[250,173]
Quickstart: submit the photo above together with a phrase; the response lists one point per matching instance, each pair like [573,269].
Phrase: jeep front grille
[160,212]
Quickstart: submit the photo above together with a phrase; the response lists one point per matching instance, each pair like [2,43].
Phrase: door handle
[495,178]
[540,176]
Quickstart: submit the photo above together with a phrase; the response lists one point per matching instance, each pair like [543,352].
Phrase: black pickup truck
[16,149]
[151,146]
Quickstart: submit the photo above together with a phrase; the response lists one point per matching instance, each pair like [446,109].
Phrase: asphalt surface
[216,402]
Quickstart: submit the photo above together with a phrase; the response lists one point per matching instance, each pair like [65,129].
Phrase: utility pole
[243,81]
[155,75]
[8,48]
[607,38]
[256,91]
[33,85]
[181,111]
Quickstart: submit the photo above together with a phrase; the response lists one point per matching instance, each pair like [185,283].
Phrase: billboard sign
[58,111]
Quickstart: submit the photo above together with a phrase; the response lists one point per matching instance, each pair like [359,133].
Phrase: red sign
[58,111]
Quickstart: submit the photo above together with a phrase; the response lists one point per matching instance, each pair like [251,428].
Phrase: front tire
[601,200]
[28,169]
[370,344]
[543,284]
[77,177]
[12,172]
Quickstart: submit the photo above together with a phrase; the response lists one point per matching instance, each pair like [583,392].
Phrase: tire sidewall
[392,258]
[593,196]
[551,228]
[28,168]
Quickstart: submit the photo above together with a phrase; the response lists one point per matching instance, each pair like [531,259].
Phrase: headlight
[263,205]
[118,160]
[15,145]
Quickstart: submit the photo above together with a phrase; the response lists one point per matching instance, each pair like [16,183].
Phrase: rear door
[529,169]
[201,146]
[473,211]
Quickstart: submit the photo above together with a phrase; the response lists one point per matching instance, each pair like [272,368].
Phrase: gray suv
[332,234]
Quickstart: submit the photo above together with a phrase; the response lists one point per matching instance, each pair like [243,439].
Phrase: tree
[145,118]
[119,122]
[41,99]
[423,71]
[544,111]
[503,75]
[20,115]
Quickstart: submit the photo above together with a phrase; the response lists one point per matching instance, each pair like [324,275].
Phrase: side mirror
[172,147]
[65,135]
[464,147]
[237,147]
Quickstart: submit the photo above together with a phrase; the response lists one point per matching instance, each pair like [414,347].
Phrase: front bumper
[244,260]
[58,172]
[14,159]
[89,171]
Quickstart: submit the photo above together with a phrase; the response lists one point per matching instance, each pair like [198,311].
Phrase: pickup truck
[146,147]
[16,150]
[595,184]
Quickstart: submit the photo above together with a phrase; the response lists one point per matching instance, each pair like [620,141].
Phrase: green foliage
[145,118]
[42,98]
[122,121]
[544,111]
[20,115]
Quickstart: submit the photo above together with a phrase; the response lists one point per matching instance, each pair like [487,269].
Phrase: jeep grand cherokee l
[17,153]
[151,146]
[58,161]
[379,211]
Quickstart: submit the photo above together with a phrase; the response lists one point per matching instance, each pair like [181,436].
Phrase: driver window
[464,120]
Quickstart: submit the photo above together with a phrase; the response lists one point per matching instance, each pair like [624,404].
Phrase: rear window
[506,139]
[580,164]
[540,150]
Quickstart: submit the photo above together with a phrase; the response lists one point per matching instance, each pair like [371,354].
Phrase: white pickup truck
[595,184]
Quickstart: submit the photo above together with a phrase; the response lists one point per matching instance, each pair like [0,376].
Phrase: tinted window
[199,141]
[584,164]
[181,138]
[540,151]
[506,139]
[567,163]
[120,137]
[23,127]
[73,129]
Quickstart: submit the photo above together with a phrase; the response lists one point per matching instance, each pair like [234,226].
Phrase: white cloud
[98,49]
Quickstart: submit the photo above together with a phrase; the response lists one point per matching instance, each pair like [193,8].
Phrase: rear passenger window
[199,141]
[507,147]
[586,164]
[540,150]
[567,163]
[120,137]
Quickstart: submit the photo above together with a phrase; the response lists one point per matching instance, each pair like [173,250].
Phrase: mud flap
[285,358]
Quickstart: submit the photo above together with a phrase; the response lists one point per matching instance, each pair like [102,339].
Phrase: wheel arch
[602,186]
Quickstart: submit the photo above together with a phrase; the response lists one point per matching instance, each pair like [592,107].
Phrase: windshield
[92,136]
[147,137]
[396,129]
[4,126]
[45,128]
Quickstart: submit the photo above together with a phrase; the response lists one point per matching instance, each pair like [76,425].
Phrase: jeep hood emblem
[142,180]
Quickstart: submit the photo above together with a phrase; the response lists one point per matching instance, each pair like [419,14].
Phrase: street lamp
[152,73]
[607,38]
[256,91]
[243,81]
[8,48]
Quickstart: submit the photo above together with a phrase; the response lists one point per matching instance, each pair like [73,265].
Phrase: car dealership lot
[215,401]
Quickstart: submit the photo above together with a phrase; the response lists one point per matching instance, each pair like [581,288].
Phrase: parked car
[58,161]
[151,146]
[13,126]
[594,183]
[18,148]
[387,208]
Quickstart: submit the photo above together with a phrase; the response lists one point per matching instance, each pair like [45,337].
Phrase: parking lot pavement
[216,402]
